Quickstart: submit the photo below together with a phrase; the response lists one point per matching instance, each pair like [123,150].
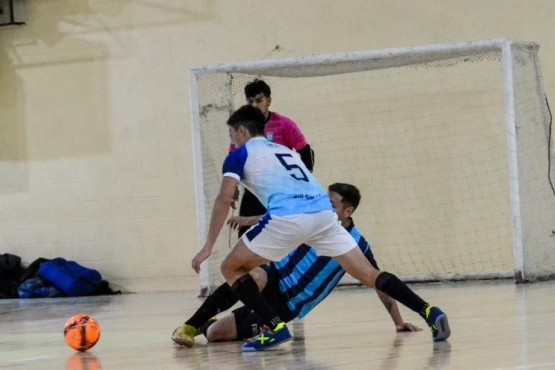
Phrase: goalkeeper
[278,129]
[284,284]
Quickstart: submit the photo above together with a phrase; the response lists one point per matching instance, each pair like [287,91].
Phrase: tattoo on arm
[388,303]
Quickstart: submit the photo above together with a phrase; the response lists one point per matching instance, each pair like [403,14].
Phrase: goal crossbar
[373,59]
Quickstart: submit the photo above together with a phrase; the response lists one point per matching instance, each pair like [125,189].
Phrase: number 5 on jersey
[296,171]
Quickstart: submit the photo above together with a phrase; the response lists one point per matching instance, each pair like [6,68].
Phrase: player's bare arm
[222,203]
[393,309]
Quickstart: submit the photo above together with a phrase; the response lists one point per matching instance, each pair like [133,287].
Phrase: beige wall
[95,138]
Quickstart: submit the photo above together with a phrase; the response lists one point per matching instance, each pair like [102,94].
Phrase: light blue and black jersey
[278,178]
[305,278]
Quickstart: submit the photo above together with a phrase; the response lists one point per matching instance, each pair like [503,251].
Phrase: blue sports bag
[69,277]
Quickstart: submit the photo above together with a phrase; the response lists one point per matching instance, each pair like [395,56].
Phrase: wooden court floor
[495,325]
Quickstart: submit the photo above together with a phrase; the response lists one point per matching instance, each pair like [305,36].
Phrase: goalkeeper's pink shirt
[282,130]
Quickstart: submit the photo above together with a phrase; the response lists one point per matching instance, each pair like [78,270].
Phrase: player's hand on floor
[408,327]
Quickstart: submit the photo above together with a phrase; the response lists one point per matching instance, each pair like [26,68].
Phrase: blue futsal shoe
[438,323]
[268,339]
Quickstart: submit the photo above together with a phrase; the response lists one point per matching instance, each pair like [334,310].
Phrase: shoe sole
[251,349]
[443,329]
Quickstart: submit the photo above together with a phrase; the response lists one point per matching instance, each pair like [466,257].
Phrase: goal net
[450,146]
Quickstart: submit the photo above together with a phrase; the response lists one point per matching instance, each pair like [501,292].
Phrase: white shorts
[274,237]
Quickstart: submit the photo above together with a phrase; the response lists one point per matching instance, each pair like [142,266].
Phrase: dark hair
[350,193]
[249,117]
[257,87]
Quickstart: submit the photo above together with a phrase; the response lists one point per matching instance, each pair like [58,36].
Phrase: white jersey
[278,178]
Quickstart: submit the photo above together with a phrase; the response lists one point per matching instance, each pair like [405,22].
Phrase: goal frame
[374,59]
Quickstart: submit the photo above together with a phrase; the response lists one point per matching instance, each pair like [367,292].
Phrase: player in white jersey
[299,212]
[278,178]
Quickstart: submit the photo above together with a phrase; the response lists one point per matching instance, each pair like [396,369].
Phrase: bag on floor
[37,288]
[32,271]
[69,277]
[10,271]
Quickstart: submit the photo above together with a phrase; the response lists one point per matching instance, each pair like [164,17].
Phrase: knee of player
[260,277]
[211,334]
[225,268]
[217,333]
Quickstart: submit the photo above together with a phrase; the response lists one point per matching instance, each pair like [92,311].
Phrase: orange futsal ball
[81,332]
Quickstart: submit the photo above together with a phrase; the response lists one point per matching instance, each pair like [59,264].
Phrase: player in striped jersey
[294,285]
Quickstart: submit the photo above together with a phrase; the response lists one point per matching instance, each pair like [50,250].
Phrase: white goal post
[450,146]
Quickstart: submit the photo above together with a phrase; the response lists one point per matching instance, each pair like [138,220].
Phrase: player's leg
[333,240]
[234,269]
[354,263]
[271,239]
[222,299]
[222,330]
[241,324]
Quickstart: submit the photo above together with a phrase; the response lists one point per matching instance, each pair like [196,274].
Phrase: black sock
[222,299]
[396,289]
[246,289]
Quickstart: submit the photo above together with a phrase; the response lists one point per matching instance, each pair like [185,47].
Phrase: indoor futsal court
[495,325]
[118,151]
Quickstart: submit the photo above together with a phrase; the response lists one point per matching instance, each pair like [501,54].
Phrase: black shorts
[250,205]
[247,322]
